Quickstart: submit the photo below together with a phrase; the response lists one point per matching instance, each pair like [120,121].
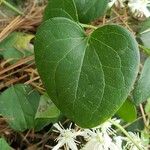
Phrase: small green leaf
[18,104]
[142,88]
[87,77]
[144,34]
[11,54]
[61,8]
[4,145]
[145,39]
[144,25]
[40,123]
[147,107]
[16,46]
[89,10]
[145,136]
[16,40]
[46,113]
[136,126]
[47,109]
[127,111]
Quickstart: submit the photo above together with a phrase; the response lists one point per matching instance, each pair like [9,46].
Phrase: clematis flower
[99,141]
[66,138]
[106,127]
[140,7]
[136,138]
[118,141]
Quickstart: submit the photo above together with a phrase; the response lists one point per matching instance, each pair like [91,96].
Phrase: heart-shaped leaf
[61,8]
[85,10]
[87,77]
[88,10]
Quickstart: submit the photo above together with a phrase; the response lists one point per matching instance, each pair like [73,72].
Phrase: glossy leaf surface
[61,8]
[87,77]
[89,10]
[85,10]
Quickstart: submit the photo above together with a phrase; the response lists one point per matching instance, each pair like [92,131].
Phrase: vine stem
[88,26]
[145,50]
[11,7]
[126,133]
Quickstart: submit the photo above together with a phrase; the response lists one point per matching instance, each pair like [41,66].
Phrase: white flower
[140,7]
[99,141]
[106,127]
[131,145]
[118,141]
[118,3]
[66,138]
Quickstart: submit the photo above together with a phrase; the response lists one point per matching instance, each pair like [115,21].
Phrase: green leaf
[144,34]
[16,46]
[87,77]
[145,136]
[144,25]
[4,145]
[47,109]
[145,39]
[40,123]
[147,107]
[89,10]
[18,104]
[61,8]
[17,40]
[46,113]
[136,126]
[142,88]
[127,111]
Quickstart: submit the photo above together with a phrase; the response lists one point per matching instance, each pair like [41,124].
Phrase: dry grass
[23,71]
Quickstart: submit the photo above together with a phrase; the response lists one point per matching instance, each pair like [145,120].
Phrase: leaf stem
[88,26]
[11,7]
[126,133]
[148,30]
[145,50]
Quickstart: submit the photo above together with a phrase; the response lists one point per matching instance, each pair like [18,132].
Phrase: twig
[3,85]
[126,24]
[10,27]
[19,63]
[14,72]
[143,116]
[31,80]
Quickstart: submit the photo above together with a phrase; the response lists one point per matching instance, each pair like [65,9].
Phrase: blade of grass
[11,7]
